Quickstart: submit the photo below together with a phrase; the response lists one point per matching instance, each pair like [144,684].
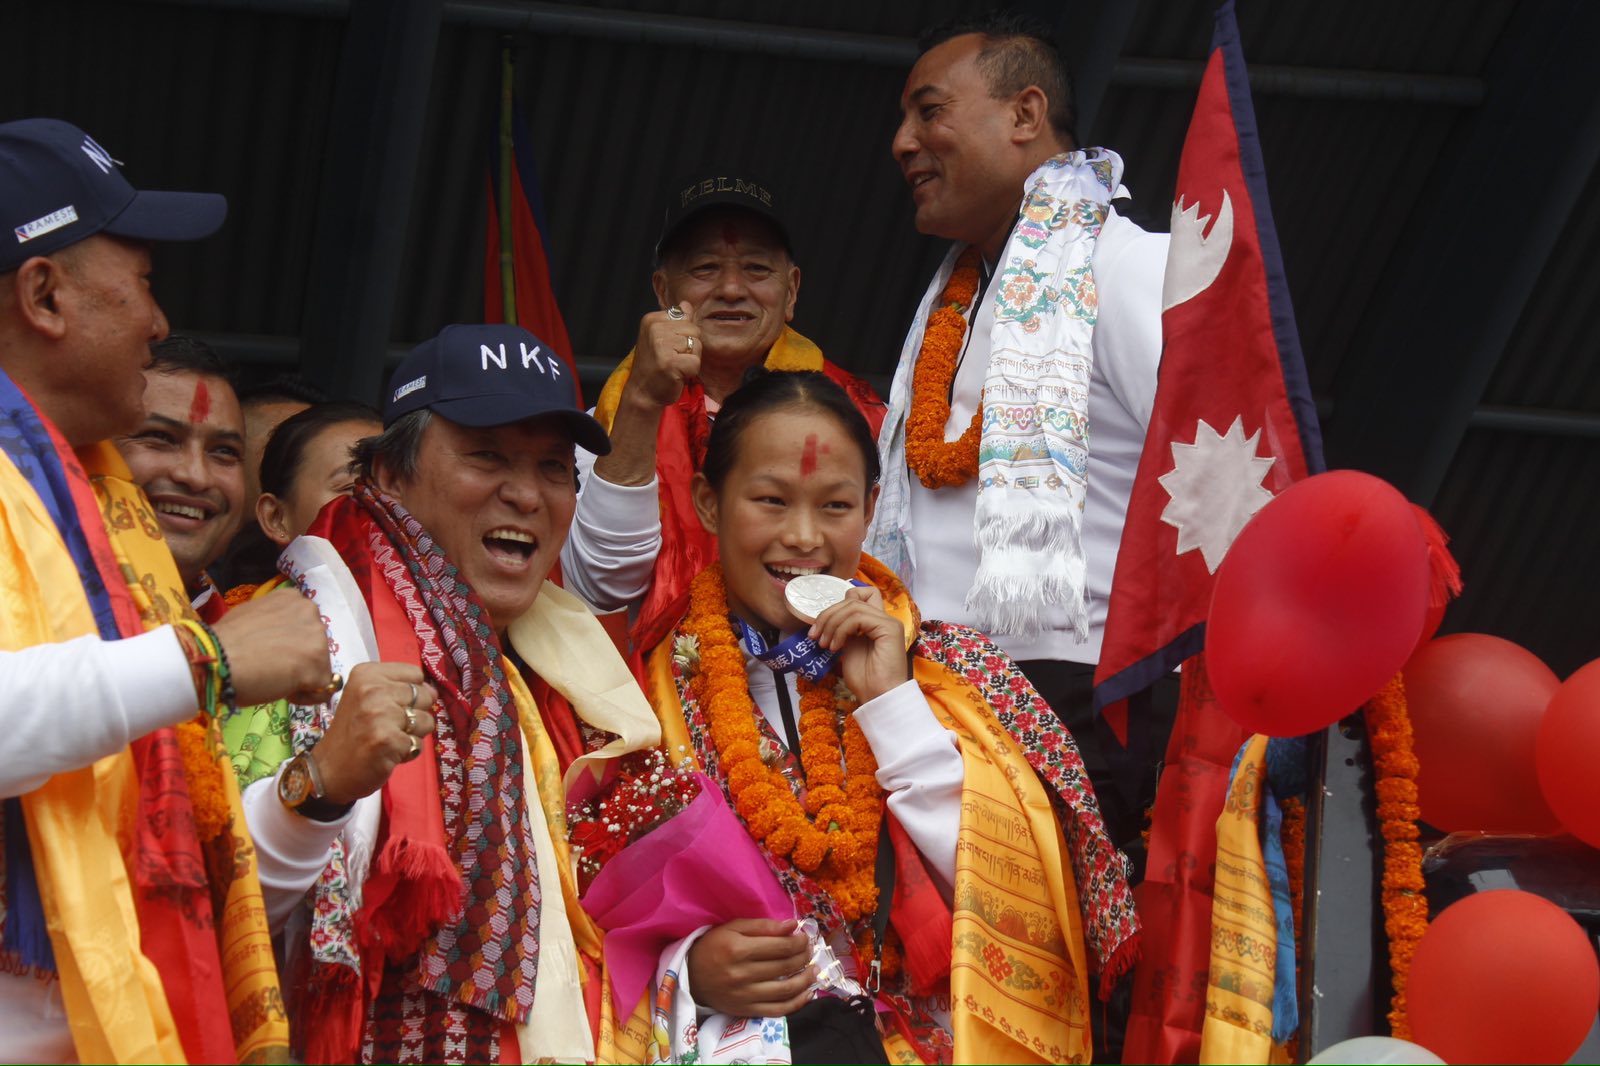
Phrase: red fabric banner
[1233,425]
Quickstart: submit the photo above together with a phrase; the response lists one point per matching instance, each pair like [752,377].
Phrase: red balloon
[1431,623]
[1503,976]
[1564,754]
[1475,704]
[1442,568]
[1317,603]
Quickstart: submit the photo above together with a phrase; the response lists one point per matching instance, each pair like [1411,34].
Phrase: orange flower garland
[834,836]
[1405,906]
[938,463]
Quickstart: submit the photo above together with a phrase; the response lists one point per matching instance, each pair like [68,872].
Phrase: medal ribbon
[798,654]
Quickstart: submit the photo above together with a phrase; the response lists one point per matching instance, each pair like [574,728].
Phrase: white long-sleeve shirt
[610,553]
[72,703]
[67,705]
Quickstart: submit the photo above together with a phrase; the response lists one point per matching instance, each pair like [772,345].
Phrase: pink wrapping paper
[700,867]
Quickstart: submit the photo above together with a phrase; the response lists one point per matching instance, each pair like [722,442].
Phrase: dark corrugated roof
[236,97]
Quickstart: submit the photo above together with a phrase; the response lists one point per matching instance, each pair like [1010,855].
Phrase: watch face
[294,786]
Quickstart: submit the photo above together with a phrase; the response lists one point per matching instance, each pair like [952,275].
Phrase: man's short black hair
[285,388]
[1018,51]
[179,354]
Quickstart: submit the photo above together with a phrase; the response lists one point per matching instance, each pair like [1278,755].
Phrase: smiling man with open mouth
[439,557]
[188,456]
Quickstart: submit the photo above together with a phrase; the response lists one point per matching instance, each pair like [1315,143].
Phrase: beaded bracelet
[208,662]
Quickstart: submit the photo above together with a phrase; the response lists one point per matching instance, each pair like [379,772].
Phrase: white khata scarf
[1033,456]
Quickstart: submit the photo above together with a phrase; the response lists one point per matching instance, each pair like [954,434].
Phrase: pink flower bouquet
[697,867]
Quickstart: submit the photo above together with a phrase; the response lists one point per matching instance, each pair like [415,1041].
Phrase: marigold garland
[1405,904]
[939,463]
[834,837]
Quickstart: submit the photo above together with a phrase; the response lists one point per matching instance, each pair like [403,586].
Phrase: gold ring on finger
[416,749]
[411,722]
[335,683]
[691,344]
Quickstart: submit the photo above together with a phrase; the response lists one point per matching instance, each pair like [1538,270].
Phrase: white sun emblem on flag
[1215,485]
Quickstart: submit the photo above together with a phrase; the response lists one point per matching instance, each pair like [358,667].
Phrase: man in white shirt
[89,663]
[1009,520]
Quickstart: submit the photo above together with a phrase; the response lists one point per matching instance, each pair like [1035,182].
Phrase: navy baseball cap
[491,376]
[719,188]
[58,186]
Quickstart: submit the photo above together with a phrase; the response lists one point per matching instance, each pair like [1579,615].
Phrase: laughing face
[188,456]
[958,148]
[796,501]
[498,501]
[732,268]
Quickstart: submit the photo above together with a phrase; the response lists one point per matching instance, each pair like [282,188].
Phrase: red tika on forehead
[808,456]
[200,406]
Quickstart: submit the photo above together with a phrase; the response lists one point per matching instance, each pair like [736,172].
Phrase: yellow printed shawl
[1019,984]
[1244,935]
[565,645]
[78,821]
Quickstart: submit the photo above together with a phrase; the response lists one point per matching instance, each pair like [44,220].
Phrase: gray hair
[398,447]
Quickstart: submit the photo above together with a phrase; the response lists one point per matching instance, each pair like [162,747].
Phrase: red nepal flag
[1233,425]
[1234,422]
[515,263]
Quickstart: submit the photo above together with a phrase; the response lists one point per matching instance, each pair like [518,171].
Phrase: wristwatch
[300,790]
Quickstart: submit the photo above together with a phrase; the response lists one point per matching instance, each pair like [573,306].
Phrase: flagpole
[508,280]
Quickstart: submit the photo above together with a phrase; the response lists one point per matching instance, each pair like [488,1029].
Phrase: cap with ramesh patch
[719,189]
[490,375]
[58,186]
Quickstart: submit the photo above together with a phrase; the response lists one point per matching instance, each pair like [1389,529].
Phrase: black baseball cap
[719,188]
[58,186]
[491,375]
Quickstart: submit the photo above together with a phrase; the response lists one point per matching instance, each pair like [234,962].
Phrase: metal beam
[369,169]
[1341,975]
[1535,420]
[685,31]
[1435,331]
[1314,83]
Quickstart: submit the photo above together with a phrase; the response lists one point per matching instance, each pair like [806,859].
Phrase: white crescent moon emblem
[1194,259]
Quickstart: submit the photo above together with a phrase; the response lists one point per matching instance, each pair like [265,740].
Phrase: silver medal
[811,594]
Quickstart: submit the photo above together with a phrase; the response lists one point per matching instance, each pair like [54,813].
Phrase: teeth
[512,535]
[921,179]
[182,510]
[795,571]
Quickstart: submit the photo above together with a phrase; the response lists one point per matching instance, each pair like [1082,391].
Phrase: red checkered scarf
[487,955]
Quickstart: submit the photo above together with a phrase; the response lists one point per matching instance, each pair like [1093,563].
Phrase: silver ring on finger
[413,701]
[675,313]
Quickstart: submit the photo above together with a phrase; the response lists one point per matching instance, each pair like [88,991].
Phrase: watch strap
[315,806]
